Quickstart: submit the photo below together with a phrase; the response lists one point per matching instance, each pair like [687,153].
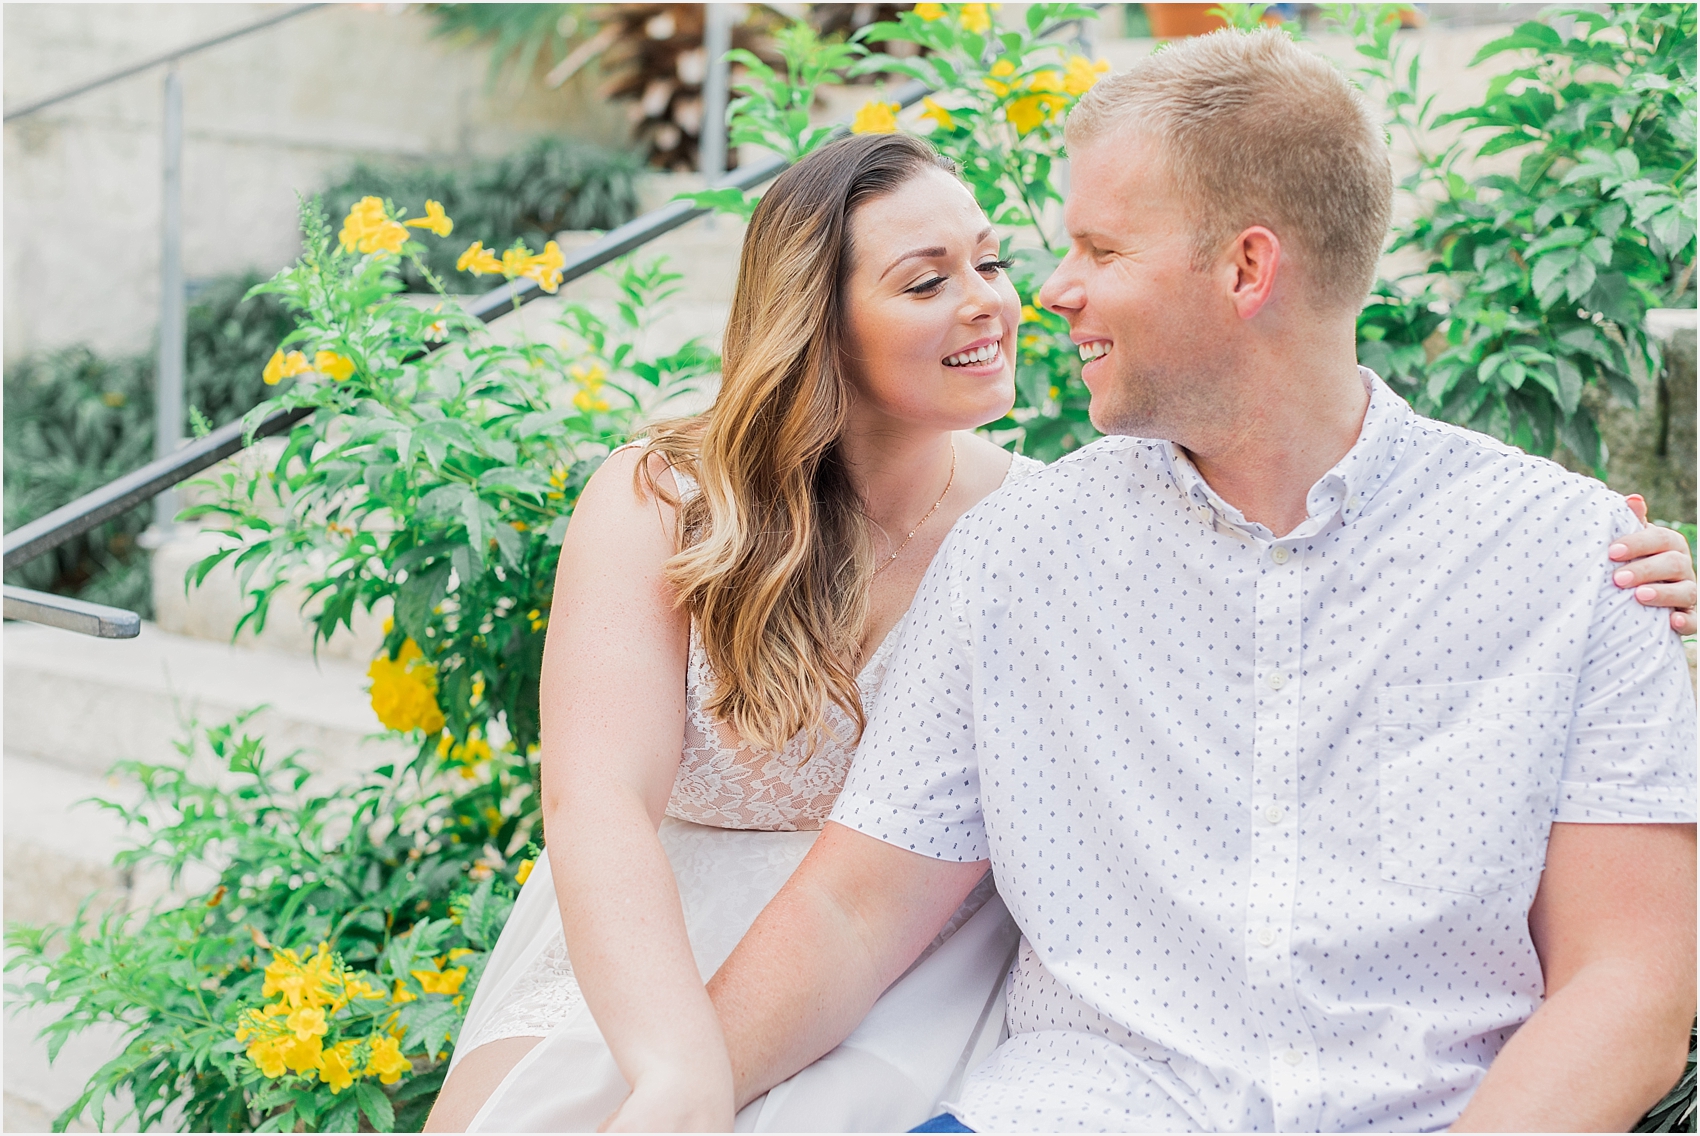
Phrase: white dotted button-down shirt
[1271,811]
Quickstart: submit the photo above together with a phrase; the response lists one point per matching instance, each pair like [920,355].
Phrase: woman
[718,633]
[734,610]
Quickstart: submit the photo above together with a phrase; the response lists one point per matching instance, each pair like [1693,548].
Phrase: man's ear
[1252,263]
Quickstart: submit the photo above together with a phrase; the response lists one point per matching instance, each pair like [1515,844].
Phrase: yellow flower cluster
[328,363]
[287,1036]
[1049,91]
[404,690]
[590,379]
[280,367]
[875,117]
[976,18]
[368,228]
[444,979]
[517,263]
[937,112]
[471,753]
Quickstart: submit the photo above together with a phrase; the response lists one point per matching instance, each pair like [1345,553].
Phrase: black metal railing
[122,494]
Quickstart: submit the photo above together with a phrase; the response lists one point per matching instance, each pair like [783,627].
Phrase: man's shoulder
[1058,484]
[1458,464]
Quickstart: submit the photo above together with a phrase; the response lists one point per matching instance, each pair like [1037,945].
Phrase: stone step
[81,704]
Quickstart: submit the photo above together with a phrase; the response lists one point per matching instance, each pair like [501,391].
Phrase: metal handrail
[177,53]
[72,615]
[46,533]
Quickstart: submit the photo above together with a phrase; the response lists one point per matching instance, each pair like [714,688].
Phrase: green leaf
[375,1106]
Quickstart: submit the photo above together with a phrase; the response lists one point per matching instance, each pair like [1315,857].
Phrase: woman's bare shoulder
[625,503]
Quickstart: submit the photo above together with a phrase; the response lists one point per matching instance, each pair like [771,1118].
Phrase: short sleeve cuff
[1582,803]
[939,837]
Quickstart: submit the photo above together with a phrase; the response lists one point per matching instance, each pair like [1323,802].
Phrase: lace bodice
[727,782]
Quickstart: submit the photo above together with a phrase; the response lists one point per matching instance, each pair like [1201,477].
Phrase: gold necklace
[951,480]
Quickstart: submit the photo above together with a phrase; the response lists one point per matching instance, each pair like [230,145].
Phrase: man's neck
[1292,426]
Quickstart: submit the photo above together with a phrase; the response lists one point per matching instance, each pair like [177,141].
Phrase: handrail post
[712,146]
[168,373]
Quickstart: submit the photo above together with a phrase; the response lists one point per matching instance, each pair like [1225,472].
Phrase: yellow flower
[976,18]
[404,691]
[930,11]
[524,872]
[403,994]
[308,1021]
[1026,113]
[1002,69]
[1082,74]
[435,220]
[875,117]
[545,267]
[333,1067]
[536,617]
[476,750]
[386,1061]
[1048,80]
[937,113]
[281,366]
[477,689]
[369,229]
[264,1053]
[514,261]
[478,260]
[590,378]
[1029,314]
[333,366]
[441,981]
[302,1056]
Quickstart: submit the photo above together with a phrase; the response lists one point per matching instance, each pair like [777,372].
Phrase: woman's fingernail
[1623,577]
[1618,551]
[1646,594]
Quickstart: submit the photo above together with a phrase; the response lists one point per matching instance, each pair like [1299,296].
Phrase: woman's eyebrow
[930,252]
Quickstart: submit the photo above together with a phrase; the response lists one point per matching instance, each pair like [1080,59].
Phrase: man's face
[1157,334]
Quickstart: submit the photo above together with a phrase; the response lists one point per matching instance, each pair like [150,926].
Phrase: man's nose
[1063,292]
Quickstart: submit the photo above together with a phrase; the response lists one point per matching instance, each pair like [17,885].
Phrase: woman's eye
[995,266]
[927,286]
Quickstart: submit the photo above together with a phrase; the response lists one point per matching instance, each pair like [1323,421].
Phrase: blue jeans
[943,1122]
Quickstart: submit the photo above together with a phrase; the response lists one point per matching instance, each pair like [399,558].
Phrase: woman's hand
[676,1100]
[1658,566]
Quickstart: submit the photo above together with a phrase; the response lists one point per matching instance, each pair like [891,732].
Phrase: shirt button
[1277,680]
[1273,814]
[1266,936]
[1281,554]
[1354,501]
[1292,1057]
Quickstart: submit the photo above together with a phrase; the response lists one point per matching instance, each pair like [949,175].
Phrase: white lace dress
[738,822]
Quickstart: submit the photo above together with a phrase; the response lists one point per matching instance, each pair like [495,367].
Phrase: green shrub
[397,876]
[1537,284]
[75,421]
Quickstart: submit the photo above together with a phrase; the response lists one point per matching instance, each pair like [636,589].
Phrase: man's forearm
[796,986]
[855,913]
[1594,1058]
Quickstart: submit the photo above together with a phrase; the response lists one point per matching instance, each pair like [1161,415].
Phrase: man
[1331,780]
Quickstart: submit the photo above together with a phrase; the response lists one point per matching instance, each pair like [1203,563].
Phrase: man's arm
[1614,925]
[846,925]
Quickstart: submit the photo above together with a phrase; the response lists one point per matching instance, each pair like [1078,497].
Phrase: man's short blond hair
[1258,131]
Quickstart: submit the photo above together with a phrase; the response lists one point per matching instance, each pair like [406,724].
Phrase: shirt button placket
[1275,831]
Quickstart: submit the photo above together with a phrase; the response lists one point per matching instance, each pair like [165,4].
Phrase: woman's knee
[474,1078]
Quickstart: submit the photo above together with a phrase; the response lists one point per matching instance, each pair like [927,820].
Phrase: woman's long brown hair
[775,556]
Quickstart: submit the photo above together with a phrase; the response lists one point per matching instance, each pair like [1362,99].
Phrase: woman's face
[930,312]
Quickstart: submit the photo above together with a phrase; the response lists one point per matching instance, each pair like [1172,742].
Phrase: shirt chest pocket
[1468,776]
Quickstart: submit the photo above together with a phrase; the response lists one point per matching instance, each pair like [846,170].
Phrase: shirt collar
[1338,497]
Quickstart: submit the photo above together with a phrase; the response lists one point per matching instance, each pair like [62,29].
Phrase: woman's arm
[613,713]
